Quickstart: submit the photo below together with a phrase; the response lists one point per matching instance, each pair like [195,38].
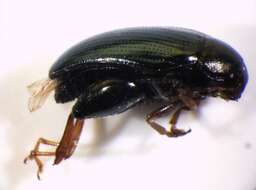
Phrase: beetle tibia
[39,91]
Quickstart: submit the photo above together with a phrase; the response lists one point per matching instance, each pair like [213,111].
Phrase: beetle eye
[218,67]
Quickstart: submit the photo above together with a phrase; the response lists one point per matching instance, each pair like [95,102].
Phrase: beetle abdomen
[134,47]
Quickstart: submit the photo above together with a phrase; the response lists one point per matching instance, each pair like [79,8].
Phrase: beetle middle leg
[185,104]
[173,132]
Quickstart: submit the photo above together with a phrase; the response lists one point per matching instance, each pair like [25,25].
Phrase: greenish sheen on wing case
[140,46]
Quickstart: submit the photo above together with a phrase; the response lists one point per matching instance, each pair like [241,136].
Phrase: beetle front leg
[173,131]
[158,113]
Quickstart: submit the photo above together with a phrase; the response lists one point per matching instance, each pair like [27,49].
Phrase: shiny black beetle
[115,71]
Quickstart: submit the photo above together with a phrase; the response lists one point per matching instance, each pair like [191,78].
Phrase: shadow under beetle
[115,71]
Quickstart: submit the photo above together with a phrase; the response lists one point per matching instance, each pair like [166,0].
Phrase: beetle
[115,71]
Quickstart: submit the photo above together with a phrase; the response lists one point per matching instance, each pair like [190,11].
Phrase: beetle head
[224,69]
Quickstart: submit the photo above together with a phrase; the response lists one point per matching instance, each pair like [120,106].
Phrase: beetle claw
[35,153]
[39,171]
[175,132]
[29,157]
[25,161]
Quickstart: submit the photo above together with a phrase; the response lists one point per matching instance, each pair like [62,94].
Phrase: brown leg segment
[65,148]
[156,114]
[173,132]
[35,153]
[173,121]
[69,139]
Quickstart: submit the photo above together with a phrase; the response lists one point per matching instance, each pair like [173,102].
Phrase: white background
[122,152]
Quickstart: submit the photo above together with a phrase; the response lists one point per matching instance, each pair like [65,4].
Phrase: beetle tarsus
[65,148]
[173,131]
[35,153]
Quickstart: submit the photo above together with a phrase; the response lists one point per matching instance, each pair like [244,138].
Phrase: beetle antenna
[39,91]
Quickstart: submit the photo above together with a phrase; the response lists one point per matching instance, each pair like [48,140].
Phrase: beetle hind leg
[64,149]
[107,98]
[69,139]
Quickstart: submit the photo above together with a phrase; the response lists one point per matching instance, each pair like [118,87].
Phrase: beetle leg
[69,139]
[158,113]
[35,153]
[65,148]
[188,104]
[107,98]
[173,132]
